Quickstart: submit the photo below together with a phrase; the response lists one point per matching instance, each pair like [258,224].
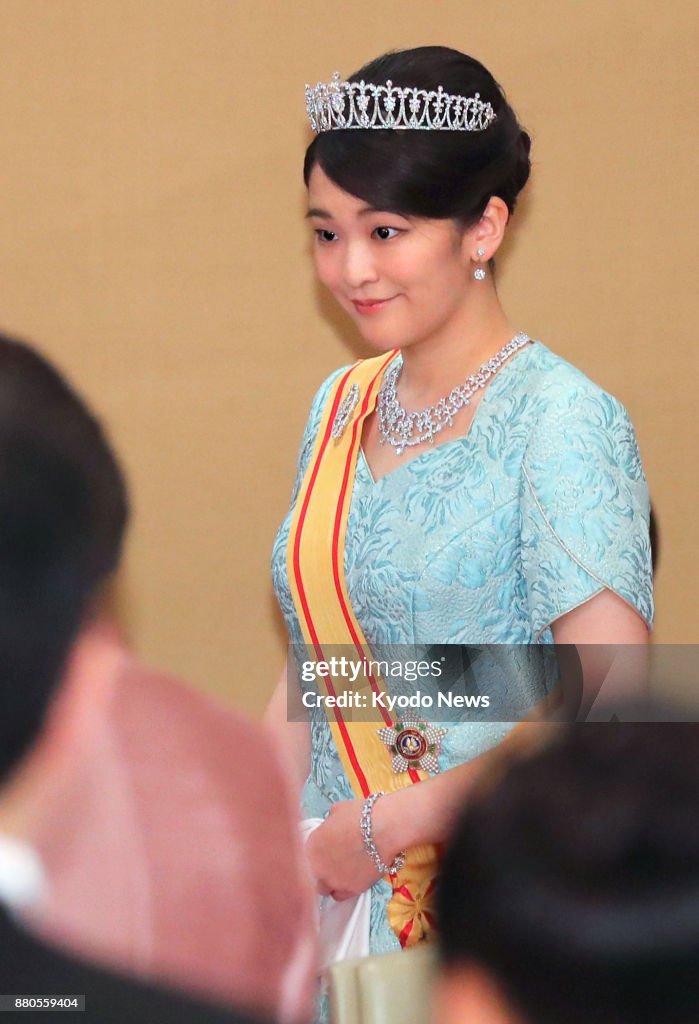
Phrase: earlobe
[491,227]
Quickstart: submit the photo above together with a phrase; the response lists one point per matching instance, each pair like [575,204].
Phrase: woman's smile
[368,306]
[368,258]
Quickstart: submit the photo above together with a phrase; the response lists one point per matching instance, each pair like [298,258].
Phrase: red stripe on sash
[302,516]
[351,753]
[336,534]
[414,777]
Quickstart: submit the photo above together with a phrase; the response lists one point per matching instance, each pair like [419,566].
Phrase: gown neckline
[431,450]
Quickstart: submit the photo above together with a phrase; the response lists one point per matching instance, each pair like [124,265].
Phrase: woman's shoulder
[574,420]
[314,419]
[584,498]
[363,371]
[557,382]
[323,392]
[567,408]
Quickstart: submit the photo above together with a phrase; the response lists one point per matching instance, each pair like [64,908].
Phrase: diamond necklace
[397,426]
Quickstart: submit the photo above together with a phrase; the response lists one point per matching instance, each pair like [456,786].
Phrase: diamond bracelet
[368,839]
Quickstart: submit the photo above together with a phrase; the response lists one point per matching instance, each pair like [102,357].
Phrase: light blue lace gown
[486,539]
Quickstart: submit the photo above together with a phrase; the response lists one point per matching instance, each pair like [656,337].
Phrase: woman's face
[401,279]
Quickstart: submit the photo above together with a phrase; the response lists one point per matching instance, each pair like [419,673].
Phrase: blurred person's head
[570,890]
[63,511]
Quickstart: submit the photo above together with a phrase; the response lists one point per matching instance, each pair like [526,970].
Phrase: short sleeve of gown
[311,429]
[585,507]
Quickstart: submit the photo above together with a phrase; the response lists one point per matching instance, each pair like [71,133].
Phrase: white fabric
[21,874]
[343,926]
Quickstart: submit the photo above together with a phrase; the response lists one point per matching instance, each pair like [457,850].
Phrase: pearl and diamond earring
[479,272]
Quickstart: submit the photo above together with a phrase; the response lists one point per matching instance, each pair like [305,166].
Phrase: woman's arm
[292,738]
[425,813]
[611,640]
[605,619]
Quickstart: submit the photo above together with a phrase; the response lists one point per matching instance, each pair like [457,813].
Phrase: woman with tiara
[466,485]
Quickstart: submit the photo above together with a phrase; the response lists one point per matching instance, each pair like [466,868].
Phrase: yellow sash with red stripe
[315,561]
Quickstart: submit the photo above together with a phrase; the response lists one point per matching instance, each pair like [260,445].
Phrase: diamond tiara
[339,105]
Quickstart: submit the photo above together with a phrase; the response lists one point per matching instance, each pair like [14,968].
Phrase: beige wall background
[152,243]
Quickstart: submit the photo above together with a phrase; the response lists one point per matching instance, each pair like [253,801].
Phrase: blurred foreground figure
[159,817]
[180,824]
[570,892]
[62,514]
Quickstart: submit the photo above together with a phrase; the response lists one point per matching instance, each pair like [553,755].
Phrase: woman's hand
[336,853]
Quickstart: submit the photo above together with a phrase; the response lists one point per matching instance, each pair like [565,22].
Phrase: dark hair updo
[438,174]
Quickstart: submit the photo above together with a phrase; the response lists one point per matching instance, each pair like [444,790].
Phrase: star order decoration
[413,743]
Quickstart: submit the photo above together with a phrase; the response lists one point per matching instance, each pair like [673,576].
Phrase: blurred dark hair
[575,880]
[63,512]
[439,174]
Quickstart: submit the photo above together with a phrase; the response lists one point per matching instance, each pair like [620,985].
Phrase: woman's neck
[432,367]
